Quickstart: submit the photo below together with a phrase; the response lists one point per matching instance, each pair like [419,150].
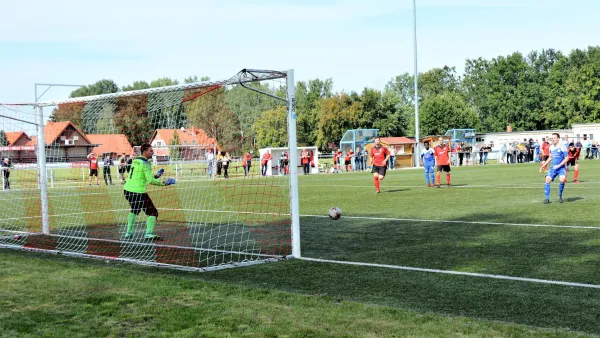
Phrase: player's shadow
[573,199]
[395,190]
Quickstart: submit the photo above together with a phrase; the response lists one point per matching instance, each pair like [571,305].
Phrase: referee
[134,190]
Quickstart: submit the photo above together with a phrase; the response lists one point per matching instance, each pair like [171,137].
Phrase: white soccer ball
[335,213]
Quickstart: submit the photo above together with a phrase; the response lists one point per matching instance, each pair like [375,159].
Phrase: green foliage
[3,139]
[271,128]
[101,87]
[447,110]
[137,85]
[336,115]
[163,82]
[192,79]
[175,151]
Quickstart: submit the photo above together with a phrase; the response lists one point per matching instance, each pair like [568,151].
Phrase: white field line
[469,186]
[462,222]
[458,273]
[416,220]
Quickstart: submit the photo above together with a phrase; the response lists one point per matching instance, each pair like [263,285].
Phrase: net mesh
[221,211]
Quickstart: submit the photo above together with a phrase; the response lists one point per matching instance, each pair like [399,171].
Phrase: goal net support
[65,167]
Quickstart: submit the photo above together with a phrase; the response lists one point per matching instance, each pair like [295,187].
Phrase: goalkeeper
[135,191]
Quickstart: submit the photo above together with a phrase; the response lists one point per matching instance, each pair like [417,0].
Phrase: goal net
[66,167]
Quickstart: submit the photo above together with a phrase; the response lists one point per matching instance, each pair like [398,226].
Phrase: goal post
[221,212]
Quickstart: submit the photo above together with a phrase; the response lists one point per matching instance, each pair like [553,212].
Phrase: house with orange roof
[18,148]
[192,142]
[110,144]
[64,142]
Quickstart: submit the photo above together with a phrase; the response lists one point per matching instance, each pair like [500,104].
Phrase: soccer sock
[427,178]
[576,175]
[376,181]
[561,187]
[150,223]
[130,222]
[447,178]
[432,178]
[437,178]
[547,190]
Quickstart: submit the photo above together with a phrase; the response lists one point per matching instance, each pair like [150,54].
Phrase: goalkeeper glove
[169,181]
[159,173]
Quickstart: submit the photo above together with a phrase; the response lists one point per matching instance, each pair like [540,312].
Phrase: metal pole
[293,159]
[42,181]
[417,136]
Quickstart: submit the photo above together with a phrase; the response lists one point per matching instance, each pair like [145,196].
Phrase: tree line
[541,90]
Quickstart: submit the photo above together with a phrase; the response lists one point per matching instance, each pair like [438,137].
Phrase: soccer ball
[335,213]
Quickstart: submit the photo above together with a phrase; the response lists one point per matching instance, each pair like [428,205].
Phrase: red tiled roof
[110,143]
[187,136]
[397,140]
[52,131]
[13,136]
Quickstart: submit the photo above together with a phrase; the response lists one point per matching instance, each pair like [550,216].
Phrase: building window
[591,136]
[159,144]
[75,138]
[185,143]
[585,137]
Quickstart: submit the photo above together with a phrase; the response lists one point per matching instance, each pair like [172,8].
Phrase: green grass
[301,298]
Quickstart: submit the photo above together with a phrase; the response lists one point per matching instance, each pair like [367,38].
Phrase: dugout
[274,166]
[354,138]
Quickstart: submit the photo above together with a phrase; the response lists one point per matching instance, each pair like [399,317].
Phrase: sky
[356,43]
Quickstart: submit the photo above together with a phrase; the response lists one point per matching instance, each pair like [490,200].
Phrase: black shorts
[572,163]
[379,170]
[445,168]
[336,161]
[93,172]
[544,158]
[347,162]
[122,170]
[139,202]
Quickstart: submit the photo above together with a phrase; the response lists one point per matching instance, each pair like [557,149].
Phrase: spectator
[265,163]
[305,161]
[226,161]
[348,159]
[247,163]
[588,150]
[219,162]
[108,161]
[358,163]
[392,162]
[128,163]
[122,167]
[536,151]
[459,151]
[93,167]
[210,161]
[285,163]
[503,154]
[6,166]
[594,149]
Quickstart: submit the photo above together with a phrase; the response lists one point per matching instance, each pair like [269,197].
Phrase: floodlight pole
[293,158]
[417,136]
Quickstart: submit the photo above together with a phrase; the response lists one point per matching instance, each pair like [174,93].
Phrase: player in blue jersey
[559,156]
[428,162]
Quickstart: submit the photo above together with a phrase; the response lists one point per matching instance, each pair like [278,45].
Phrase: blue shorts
[552,173]
[429,167]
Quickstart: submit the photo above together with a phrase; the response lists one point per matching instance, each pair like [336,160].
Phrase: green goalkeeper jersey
[140,176]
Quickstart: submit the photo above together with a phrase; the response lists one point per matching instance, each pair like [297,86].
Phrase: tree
[3,139]
[163,82]
[137,85]
[271,128]
[175,151]
[192,79]
[445,111]
[337,114]
[100,87]
[308,97]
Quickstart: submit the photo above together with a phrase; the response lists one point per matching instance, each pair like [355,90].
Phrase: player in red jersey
[337,158]
[442,161]
[573,161]
[379,158]
[545,153]
[348,159]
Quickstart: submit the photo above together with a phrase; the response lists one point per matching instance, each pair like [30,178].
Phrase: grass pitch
[491,221]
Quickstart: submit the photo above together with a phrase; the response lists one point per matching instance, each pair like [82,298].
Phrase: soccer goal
[66,165]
